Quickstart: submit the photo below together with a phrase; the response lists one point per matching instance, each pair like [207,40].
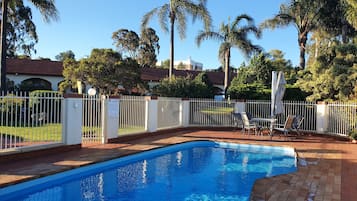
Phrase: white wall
[54,80]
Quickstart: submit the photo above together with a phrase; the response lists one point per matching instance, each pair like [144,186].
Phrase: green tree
[65,55]
[148,46]
[185,87]
[142,48]
[351,12]
[104,69]
[177,11]
[126,41]
[332,20]
[18,32]
[333,76]
[303,15]
[165,64]
[231,35]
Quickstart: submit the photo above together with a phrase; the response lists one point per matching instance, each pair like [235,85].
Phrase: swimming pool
[201,170]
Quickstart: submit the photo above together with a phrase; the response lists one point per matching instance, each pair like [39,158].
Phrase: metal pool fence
[342,118]
[34,119]
[92,119]
[168,112]
[207,112]
[29,119]
[132,115]
[262,109]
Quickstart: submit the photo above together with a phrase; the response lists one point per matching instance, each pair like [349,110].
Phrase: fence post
[151,116]
[110,117]
[184,112]
[321,117]
[72,119]
[239,106]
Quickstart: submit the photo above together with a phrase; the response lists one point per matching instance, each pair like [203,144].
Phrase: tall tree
[303,14]
[126,41]
[232,35]
[148,46]
[104,69]
[65,55]
[142,48]
[177,11]
[18,30]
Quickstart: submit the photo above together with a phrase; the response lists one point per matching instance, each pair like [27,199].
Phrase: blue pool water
[194,171]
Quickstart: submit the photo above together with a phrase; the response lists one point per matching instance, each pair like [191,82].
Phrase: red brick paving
[330,177]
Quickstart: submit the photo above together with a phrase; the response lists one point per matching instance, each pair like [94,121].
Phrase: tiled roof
[34,67]
[157,74]
[55,68]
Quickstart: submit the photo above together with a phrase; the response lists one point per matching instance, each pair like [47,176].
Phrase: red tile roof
[34,67]
[55,68]
[157,74]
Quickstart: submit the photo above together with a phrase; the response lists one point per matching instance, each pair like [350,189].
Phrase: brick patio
[327,173]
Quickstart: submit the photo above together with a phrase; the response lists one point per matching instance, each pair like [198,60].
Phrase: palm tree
[231,35]
[351,13]
[303,14]
[46,7]
[177,11]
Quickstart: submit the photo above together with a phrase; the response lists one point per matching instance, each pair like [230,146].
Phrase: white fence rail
[30,120]
[262,109]
[342,118]
[92,119]
[37,119]
[207,112]
[132,115]
[168,112]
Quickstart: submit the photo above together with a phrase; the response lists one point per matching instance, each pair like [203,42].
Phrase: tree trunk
[172,26]
[3,46]
[302,45]
[227,56]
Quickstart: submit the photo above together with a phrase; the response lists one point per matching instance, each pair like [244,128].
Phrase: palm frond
[47,9]
[162,13]
[239,18]
[204,35]
[181,26]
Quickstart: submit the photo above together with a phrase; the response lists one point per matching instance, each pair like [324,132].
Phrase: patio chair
[237,119]
[297,124]
[286,127]
[249,125]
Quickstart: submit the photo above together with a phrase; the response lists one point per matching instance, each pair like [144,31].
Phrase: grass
[47,132]
[53,132]
[131,129]
[218,110]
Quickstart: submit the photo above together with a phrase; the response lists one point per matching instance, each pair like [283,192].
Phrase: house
[48,74]
[42,73]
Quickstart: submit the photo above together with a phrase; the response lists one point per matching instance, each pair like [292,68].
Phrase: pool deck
[326,168]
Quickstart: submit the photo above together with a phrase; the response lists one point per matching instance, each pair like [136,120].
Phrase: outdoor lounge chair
[297,124]
[237,118]
[249,125]
[287,127]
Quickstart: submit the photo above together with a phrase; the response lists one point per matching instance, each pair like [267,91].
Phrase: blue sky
[88,24]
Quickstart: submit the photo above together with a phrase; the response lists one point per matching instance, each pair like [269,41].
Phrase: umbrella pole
[273,91]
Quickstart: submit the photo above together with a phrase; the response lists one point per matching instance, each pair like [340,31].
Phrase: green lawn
[131,129]
[218,110]
[47,132]
[53,132]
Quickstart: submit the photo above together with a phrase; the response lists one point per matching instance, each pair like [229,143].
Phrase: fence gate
[342,118]
[92,119]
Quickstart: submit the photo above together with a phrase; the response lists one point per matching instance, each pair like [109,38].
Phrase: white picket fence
[31,121]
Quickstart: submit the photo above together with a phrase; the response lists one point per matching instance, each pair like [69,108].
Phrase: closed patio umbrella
[277,93]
